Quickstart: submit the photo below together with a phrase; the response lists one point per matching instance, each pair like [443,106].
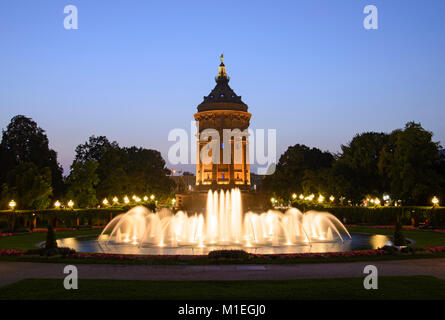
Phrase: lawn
[423,238]
[414,287]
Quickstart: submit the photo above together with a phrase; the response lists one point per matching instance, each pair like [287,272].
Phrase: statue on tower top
[222,69]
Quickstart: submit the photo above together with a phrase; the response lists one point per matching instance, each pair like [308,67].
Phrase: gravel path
[14,271]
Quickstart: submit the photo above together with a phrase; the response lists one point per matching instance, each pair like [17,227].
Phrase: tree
[113,175]
[410,162]
[28,185]
[24,142]
[147,172]
[94,149]
[82,182]
[125,171]
[295,170]
[356,170]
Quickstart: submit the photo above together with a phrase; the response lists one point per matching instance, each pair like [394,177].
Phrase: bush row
[388,215]
[100,217]
[58,218]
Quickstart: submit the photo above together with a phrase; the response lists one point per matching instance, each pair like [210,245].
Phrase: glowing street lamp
[137,199]
[377,201]
[115,200]
[12,205]
[320,198]
[152,197]
[331,198]
[301,197]
[105,202]
[173,202]
[294,196]
[57,204]
[145,198]
[126,200]
[435,201]
[71,204]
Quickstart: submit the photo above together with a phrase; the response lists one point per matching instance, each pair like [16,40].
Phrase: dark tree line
[406,163]
[31,175]
[110,170]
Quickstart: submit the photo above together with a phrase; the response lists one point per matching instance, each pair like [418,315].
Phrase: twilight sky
[134,70]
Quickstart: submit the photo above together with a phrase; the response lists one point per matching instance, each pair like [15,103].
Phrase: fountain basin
[359,241]
[223,225]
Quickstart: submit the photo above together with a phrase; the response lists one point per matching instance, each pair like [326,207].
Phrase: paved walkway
[14,271]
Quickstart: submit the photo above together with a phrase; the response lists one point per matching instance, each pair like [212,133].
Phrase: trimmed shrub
[51,242]
[399,238]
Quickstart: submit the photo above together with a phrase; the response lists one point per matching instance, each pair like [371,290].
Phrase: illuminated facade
[221,111]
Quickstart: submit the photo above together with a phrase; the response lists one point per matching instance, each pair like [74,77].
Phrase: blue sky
[134,70]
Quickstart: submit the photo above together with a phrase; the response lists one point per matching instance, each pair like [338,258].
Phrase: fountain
[223,225]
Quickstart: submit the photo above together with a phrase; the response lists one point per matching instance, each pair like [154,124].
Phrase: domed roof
[222,96]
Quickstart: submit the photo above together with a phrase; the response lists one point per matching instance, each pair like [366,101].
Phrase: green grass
[414,287]
[28,240]
[423,238]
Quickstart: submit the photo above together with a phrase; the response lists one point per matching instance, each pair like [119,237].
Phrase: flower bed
[435,249]
[358,253]
[114,256]
[2,235]
[11,252]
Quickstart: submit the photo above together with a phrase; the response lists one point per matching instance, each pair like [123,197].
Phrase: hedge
[388,215]
[58,218]
[100,217]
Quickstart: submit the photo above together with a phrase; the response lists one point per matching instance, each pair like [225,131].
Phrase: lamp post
[71,204]
[12,205]
[435,201]
[57,204]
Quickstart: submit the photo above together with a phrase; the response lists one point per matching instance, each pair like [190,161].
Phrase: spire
[222,94]
[222,69]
